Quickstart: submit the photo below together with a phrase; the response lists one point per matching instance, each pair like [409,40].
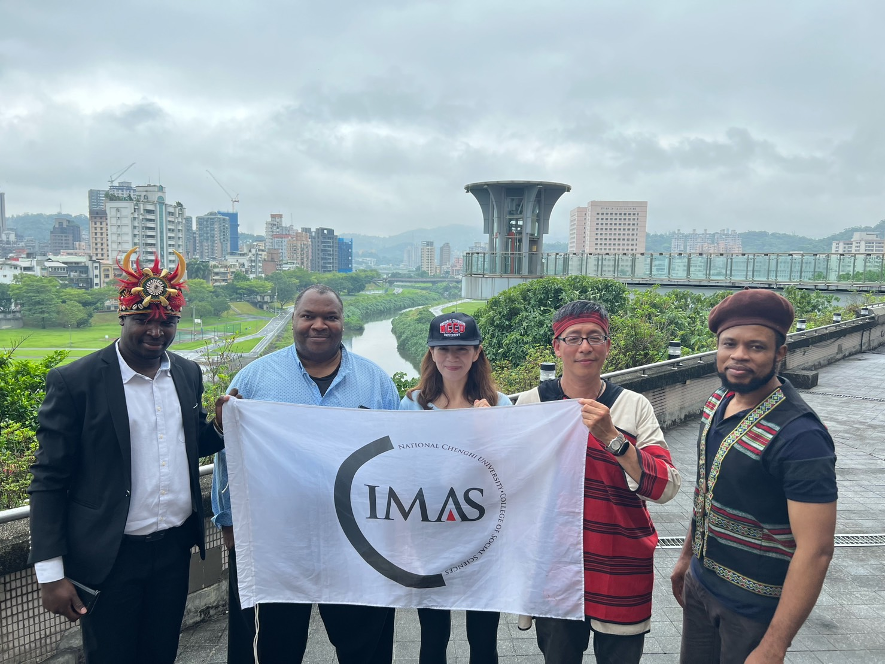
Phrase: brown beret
[752,307]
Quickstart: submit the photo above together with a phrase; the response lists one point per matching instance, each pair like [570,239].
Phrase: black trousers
[713,633]
[436,628]
[564,642]
[137,617]
[360,634]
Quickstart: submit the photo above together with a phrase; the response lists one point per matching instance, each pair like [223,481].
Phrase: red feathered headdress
[151,290]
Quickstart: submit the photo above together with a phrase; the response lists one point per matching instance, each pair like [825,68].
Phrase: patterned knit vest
[741,528]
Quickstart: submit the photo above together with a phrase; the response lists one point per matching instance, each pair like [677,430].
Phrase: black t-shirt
[325,381]
[802,455]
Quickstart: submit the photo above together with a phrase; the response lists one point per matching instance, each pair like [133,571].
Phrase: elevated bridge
[419,280]
[487,274]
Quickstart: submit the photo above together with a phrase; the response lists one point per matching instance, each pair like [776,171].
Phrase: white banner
[465,509]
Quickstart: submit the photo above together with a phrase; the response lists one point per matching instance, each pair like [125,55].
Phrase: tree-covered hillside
[38,226]
[763,241]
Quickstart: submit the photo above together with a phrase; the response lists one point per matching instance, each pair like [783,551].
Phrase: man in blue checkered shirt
[316,370]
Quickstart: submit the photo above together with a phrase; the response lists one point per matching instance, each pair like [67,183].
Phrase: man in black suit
[115,500]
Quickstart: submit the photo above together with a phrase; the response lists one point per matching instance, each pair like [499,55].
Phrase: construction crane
[116,177]
[233,199]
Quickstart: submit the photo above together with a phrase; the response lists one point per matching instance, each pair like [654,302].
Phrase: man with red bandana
[627,463]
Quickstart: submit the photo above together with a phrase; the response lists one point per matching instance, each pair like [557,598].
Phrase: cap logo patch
[452,328]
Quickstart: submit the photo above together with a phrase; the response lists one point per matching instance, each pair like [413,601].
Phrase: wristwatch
[618,445]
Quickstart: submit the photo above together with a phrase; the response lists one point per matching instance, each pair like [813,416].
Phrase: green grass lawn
[468,308]
[237,347]
[106,327]
[247,309]
[244,346]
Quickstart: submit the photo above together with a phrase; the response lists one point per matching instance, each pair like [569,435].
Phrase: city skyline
[375,117]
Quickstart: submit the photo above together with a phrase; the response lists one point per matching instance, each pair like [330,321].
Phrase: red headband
[561,326]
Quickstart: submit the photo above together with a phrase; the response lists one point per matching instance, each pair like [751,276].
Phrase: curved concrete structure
[516,216]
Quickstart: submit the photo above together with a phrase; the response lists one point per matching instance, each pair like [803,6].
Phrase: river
[379,345]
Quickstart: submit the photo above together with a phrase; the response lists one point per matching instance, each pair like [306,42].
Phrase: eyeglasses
[575,340]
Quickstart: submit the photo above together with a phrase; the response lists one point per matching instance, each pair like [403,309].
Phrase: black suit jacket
[79,496]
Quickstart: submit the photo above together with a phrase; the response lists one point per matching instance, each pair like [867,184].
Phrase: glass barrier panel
[846,267]
[859,272]
[740,267]
[697,266]
[660,268]
[718,268]
[783,267]
[875,268]
[678,266]
[607,266]
[758,267]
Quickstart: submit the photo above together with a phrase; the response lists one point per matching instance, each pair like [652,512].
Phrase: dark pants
[564,642]
[360,634]
[712,633]
[436,628]
[137,617]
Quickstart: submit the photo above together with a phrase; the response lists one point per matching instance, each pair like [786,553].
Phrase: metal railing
[861,270]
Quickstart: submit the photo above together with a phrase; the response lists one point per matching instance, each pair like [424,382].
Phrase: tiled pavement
[846,626]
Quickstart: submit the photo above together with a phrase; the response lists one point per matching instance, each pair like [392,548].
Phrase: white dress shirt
[161,496]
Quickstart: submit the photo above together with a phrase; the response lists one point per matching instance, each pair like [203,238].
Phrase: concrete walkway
[438,309]
[846,626]
[267,334]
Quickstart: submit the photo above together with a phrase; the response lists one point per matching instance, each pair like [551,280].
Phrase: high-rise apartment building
[724,241]
[324,249]
[212,236]
[121,190]
[64,236]
[445,255]
[345,255]
[190,237]
[145,219]
[615,227]
[428,257]
[411,256]
[98,234]
[274,226]
[2,212]
[864,242]
[234,230]
[577,230]
[293,248]
[96,199]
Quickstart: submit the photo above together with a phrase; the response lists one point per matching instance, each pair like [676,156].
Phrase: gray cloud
[370,117]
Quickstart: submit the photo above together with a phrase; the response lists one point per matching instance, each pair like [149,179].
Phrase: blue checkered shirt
[281,377]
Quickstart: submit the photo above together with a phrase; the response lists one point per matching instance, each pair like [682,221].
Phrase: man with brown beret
[761,536]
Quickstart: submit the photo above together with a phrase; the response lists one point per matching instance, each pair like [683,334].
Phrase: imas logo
[450,505]
[436,508]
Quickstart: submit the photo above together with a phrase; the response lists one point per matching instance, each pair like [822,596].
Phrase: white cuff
[50,570]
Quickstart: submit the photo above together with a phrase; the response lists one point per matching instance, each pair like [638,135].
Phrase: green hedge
[368,306]
[410,329]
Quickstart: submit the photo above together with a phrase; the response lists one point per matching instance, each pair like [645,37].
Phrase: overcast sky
[371,116]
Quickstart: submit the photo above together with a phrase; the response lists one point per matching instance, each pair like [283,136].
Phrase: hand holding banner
[476,509]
